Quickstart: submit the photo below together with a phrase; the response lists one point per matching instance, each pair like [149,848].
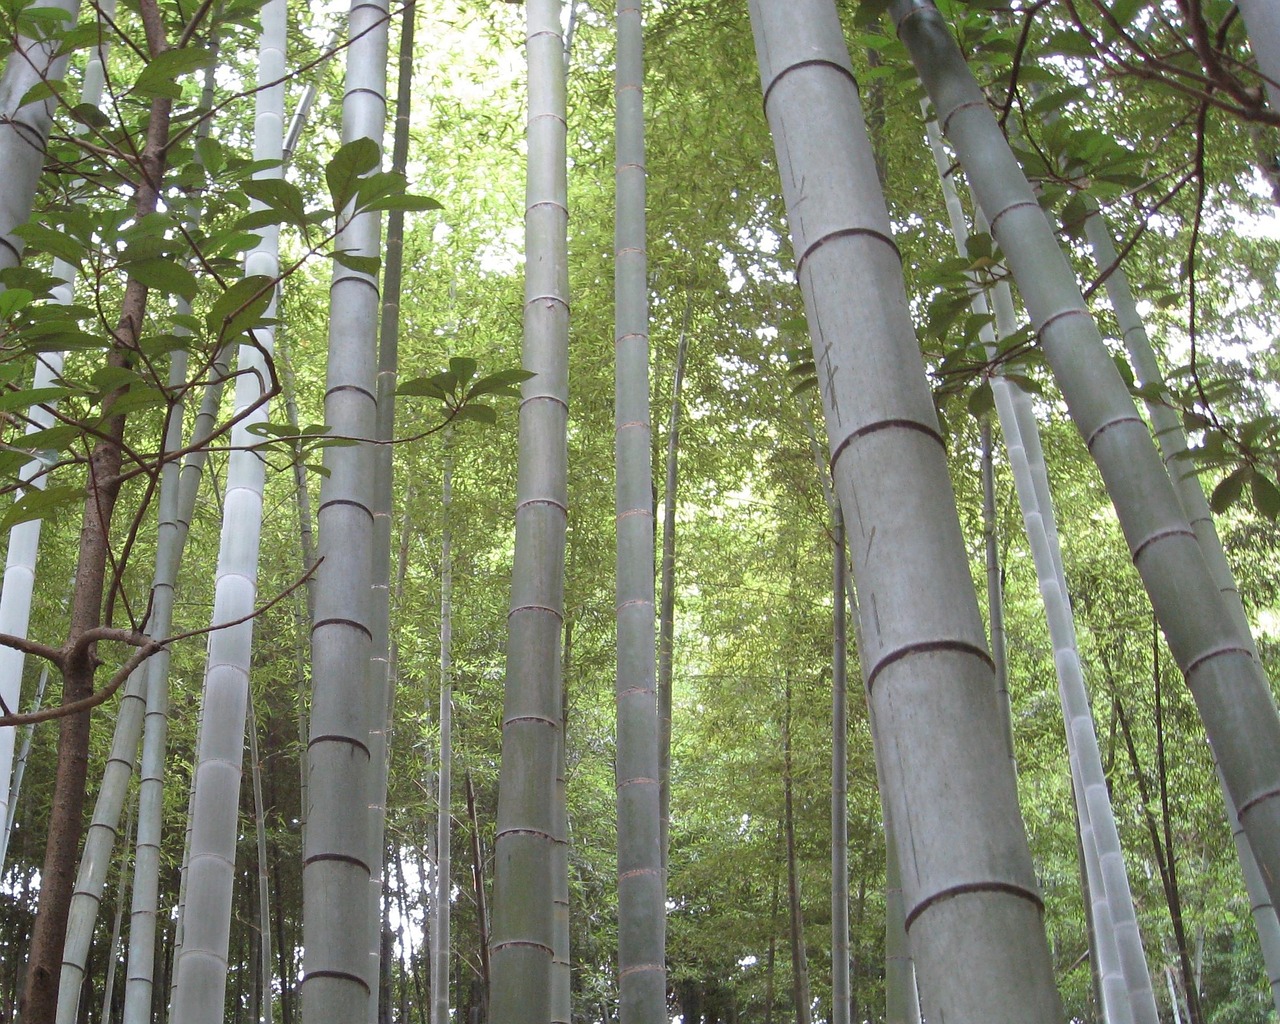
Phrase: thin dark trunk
[667,593]
[1194,1010]
[772,961]
[284,950]
[1167,879]
[385,997]
[799,960]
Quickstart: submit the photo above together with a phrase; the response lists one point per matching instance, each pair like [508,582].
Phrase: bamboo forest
[619,512]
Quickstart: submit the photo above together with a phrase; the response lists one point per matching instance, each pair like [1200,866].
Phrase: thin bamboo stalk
[381,688]
[265,986]
[20,766]
[1172,441]
[20,558]
[1127,988]
[1233,696]
[840,986]
[667,592]
[24,129]
[444,819]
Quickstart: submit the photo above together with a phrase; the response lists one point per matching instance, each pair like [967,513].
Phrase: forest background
[1192,186]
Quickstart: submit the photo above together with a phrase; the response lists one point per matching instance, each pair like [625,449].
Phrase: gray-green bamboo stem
[1233,696]
[642,978]
[201,968]
[995,589]
[444,819]
[1101,840]
[974,913]
[525,861]
[20,766]
[800,993]
[1172,441]
[840,986]
[24,129]
[267,973]
[24,539]
[380,671]
[122,888]
[336,984]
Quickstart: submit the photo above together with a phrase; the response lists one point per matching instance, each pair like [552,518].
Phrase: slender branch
[146,647]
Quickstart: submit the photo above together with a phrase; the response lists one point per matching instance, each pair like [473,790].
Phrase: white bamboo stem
[201,967]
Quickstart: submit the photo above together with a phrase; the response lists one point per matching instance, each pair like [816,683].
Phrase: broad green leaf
[41,91]
[1266,496]
[136,398]
[279,195]
[159,77]
[360,264]
[1227,493]
[343,172]
[981,401]
[210,154]
[240,307]
[40,504]
[55,243]
[408,203]
[88,113]
[23,399]
[479,413]
[13,300]
[421,387]
[463,368]
[56,439]
[166,276]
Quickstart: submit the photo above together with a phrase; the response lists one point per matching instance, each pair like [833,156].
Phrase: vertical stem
[477,882]
[840,988]
[336,983]
[527,821]
[799,958]
[667,596]
[642,982]
[443,897]
[264,896]
[995,594]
